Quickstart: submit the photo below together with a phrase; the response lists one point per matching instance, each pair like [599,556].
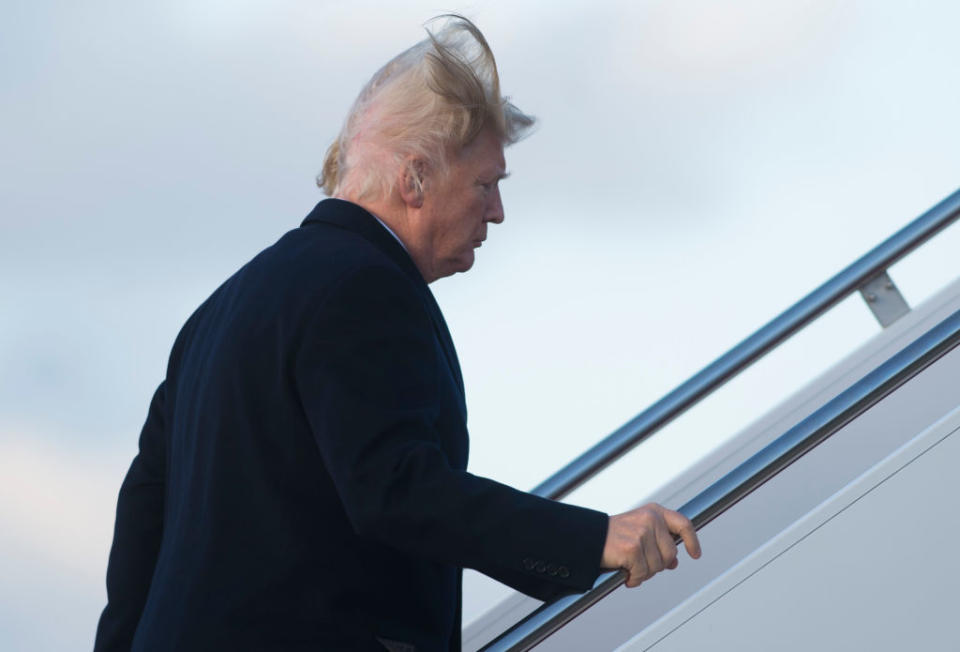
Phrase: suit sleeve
[137,535]
[369,379]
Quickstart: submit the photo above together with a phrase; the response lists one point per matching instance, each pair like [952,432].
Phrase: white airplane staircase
[828,524]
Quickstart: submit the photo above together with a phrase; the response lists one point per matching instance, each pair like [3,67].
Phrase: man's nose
[495,208]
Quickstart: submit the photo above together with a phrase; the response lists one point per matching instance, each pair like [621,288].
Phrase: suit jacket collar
[352,217]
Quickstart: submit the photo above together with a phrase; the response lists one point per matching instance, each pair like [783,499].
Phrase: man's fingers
[638,570]
[680,524]
[668,549]
[651,552]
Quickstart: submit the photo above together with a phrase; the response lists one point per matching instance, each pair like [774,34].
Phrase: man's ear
[411,182]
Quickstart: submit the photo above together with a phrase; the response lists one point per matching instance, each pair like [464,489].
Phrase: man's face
[458,205]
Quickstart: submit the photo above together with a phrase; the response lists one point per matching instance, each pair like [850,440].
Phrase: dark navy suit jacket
[301,482]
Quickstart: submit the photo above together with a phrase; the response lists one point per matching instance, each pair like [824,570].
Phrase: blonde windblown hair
[428,101]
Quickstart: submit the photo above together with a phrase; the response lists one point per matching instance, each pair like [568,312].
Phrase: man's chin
[457,265]
[465,262]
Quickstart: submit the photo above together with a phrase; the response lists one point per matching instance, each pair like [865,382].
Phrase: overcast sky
[697,168]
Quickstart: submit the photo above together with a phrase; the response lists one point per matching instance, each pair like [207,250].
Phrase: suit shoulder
[288,281]
[325,252]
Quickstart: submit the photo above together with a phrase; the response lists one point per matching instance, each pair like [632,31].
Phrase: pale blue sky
[698,167]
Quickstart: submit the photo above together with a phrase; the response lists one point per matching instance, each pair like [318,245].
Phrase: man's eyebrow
[495,178]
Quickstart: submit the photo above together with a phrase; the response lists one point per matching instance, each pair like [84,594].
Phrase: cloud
[56,522]
[59,505]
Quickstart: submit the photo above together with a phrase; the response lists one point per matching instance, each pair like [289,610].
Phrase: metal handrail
[749,350]
[754,472]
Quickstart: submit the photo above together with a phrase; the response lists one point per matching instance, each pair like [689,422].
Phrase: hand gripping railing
[741,356]
[750,475]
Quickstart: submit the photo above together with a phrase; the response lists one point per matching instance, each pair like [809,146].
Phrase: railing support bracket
[884,299]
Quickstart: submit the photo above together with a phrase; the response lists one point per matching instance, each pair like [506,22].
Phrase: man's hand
[641,542]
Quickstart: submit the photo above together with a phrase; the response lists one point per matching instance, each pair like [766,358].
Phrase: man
[301,482]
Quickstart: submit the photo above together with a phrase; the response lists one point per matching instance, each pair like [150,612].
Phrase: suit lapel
[443,333]
[352,217]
